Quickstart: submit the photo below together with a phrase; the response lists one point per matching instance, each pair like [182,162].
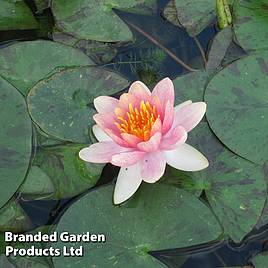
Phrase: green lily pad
[16,143]
[229,181]
[138,223]
[260,261]
[4,262]
[37,183]
[16,15]
[62,105]
[87,20]
[25,63]
[251,23]
[195,15]
[60,170]
[238,109]
[191,86]
[13,218]
[219,48]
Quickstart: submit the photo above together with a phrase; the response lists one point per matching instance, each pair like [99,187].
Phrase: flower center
[138,121]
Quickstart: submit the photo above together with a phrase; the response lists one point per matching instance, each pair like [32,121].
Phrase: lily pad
[87,20]
[16,15]
[16,143]
[195,15]
[138,223]
[37,183]
[228,182]
[219,48]
[260,261]
[171,14]
[13,218]
[25,63]
[191,86]
[62,105]
[238,109]
[60,173]
[251,23]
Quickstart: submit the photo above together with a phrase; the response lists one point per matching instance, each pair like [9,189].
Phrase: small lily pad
[60,173]
[251,23]
[228,182]
[16,15]
[87,20]
[16,143]
[195,15]
[13,218]
[24,64]
[138,223]
[238,109]
[260,261]
[219,47]
[62,105]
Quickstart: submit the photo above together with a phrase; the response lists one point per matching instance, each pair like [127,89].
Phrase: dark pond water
[144,60]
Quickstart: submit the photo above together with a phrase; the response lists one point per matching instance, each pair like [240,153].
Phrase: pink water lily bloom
[141,133]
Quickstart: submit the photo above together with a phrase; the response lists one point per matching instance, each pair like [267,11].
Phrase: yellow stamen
[137,121]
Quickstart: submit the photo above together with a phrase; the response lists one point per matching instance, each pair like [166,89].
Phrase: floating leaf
[13,218]
[171,14]
[138,223]
[191,86]
[219,47]
[229,181]
[24,64]
[260,261]
[195,15]
[15,136]
[16,15]
[60,173]
[37,183]
[62,105]
[251,23]
[238,109]
[85,19]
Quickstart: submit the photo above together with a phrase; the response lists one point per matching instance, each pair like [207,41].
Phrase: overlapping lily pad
[251,23]
[229,181]
[260,261]
[25,63]
[238,109]
[16,15]
[59,173]
[195,15]
[15,136]
[62,105]
[135,228]
[219,48]
[87,20]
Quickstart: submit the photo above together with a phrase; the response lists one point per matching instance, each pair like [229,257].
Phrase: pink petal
[105,104]
[127,183]
[132,140]
[177,107]
[173,138]
[168,117]
[186,158]
[100,134]
[127,98]
[157,127]
[164,90]
[190,115]
[106,122]
[153,166]
[127,158]
[152,144]
[140,91]
[101,152]
[116,138]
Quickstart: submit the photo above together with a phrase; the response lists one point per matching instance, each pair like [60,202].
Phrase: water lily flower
[141,133]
